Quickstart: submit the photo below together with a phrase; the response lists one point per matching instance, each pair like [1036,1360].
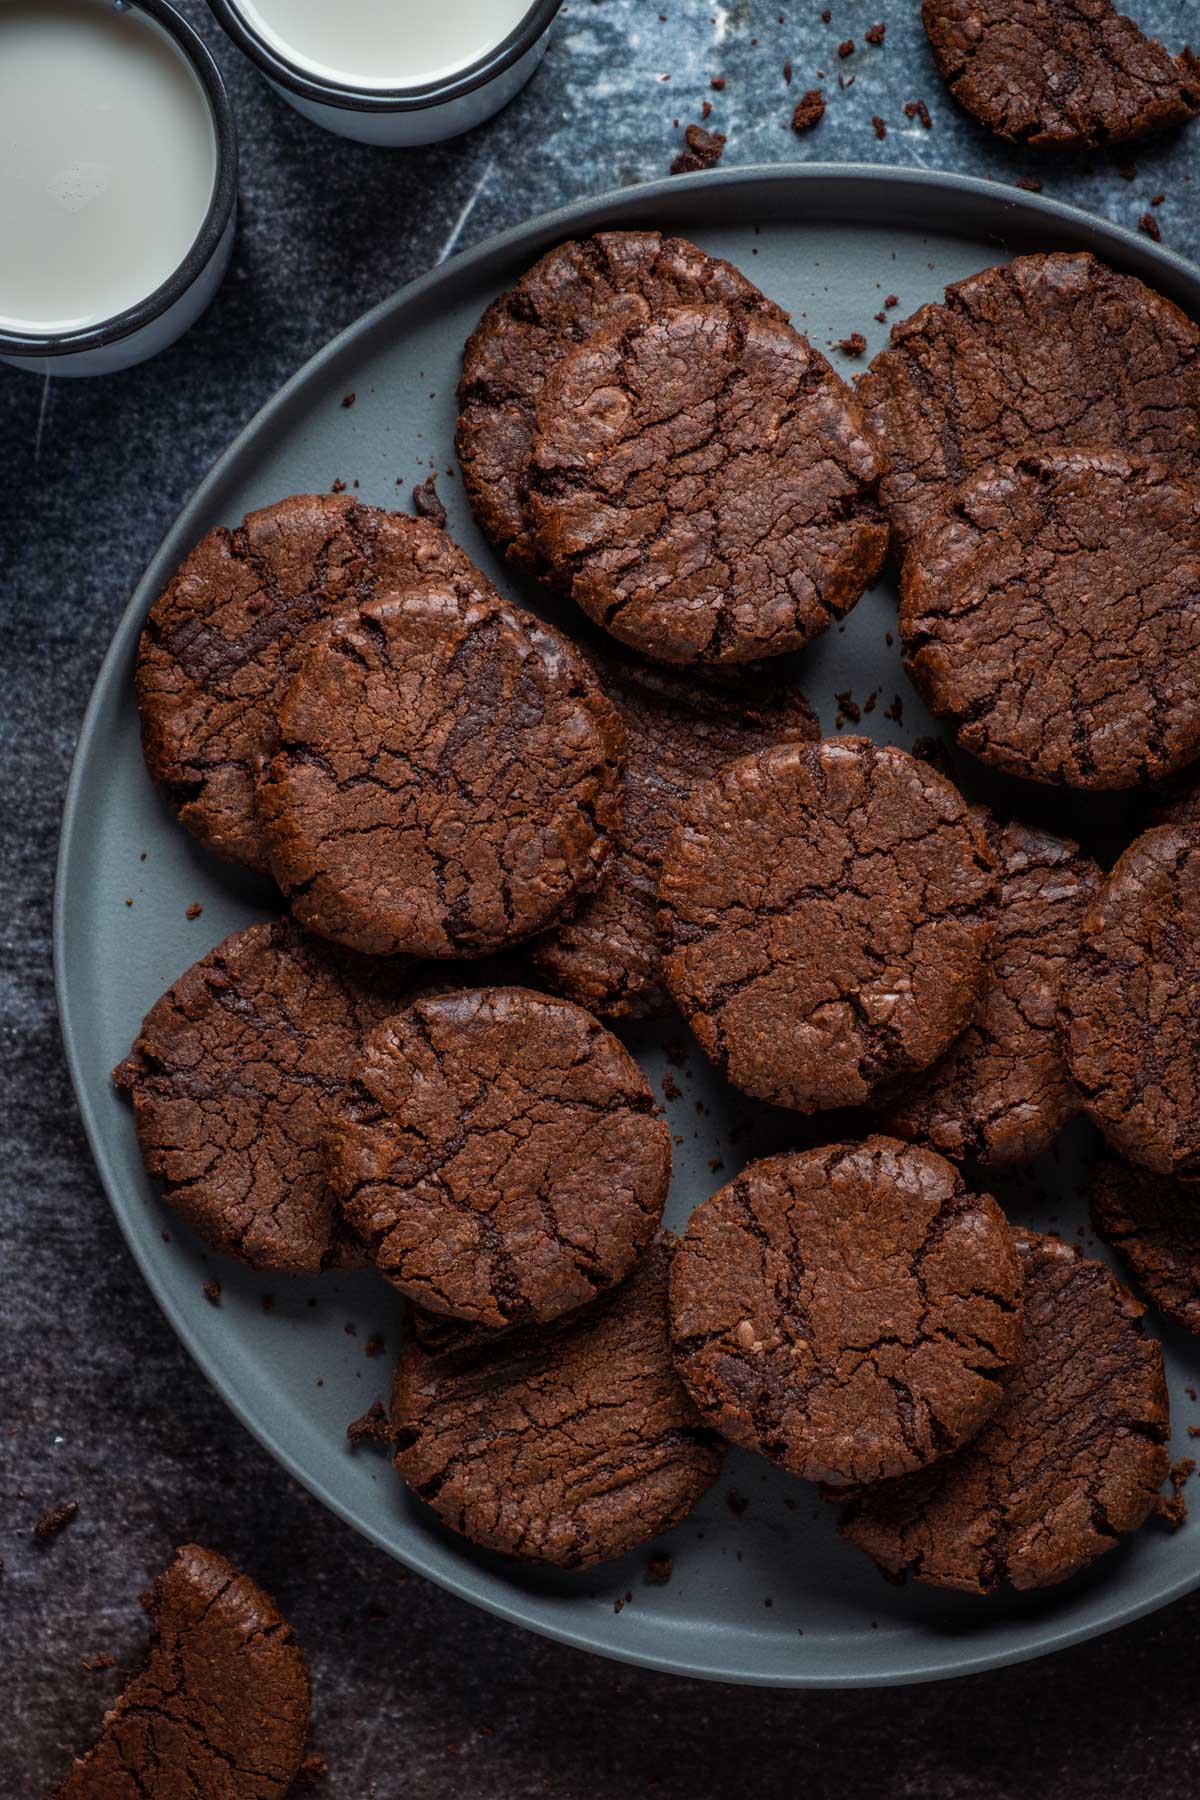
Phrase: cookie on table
[501,1154]
[702,484]
[680,728]
[560,302]
[229,629]
[1055,76]
[1049,350]
[1128,1004]
[447,778]
[826,913]
[220,1706]
[1002,1092]
[1052,614]
[567,1444]
[851,1312]
[1153,1222]
[232,1077]
[1070,1462]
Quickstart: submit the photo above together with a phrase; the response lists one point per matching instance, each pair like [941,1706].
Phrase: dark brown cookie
[1053,614]
[1034,354]
[551,309]
[826,912]
[229,629]
[702,485]
[219,1711]
[679,729]
[569,1444]
[232,1077]
[1002,1093]
[501,1154]
[1071,1460]
[447,779]
[1128,1004]
[1059,74]
[850,1312]
[1153,1221]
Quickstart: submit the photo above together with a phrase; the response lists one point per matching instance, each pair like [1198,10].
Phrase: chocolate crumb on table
[313,1769]
[1150,225]
[718,82]
[874,33]
[212,1292]
[880,126]
[1173,1510]
[55,1520]
[704,150]
[374,1427]
[809,111]
[194,910]
[854,345]
[846,48]
[917,109]
[1030,183]
[349,399]
[427,502]
[337,486]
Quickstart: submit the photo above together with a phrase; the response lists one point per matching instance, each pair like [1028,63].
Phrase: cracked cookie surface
[230,628]
[501,1154]
[1059,74]
[220,1707]
[826,912]
[702,485]
[680,728]
[1044,351]
[850,1312]
[1128,1004]
[447,780]
[1070,1461]
[1053,615]
[232,1077]
[521,336]
[566,1444]
[1153,1221]
[1002,1092]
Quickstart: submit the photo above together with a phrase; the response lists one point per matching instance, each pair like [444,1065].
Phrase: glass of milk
[118,182]
[396,72]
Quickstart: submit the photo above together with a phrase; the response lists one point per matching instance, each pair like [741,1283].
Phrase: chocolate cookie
[564,1445]
[826,911]
[1128,1004]
[1059,74]
[230,627]
[447,779]
[558,304]
[850,1312]
[1053,614]
[501,1154]
[679,729]
[1153,1221]
[220,1708]
[1071,1460]
[702,484]
[232,1077]
[1002,1093]
[1042,352]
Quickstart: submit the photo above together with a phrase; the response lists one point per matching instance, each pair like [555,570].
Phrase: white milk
[108,155]
[383,43]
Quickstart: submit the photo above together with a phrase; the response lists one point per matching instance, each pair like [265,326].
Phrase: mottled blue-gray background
[415,1694]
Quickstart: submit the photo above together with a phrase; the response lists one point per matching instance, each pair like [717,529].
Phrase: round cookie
[232,1077]
[1059,76]
[1153,1221]
[558,304]
[229,629]
[1053,614]
[702,484]
[501,1155]
[1044,351]
[826,911]
[1001,1093]
[1128,1004]
[850,1312]
[1071,1460]
[679,729]
[447,779]
[569,1444]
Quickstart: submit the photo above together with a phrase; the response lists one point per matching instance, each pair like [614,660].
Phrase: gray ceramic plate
[762,1591]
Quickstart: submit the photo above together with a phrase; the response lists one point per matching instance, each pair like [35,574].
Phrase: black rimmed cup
[400,117]
[142,330]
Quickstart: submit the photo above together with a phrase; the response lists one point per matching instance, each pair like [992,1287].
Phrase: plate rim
[587,213]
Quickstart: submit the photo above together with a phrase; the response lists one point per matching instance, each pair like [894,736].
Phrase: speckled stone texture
[414,1692]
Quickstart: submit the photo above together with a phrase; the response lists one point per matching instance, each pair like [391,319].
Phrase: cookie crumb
[374,1427]
[704,150]
[193,911]
[374,1346]
[718,82]
[659,1570]
[846,48]
[917,109]
[1150,225]
[854,345]
[349,399]
[671,1088]
[1174,1511]
[54,1521]
[890,300]
[427,503]
[787,73]
[880,126]
[212,1292]
[874,33]
[1157,199]
[849,707]
[337,486]
[809,110]
[314,1768]
[1030,183]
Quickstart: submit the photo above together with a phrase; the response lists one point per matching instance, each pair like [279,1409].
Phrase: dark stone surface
[415,1693]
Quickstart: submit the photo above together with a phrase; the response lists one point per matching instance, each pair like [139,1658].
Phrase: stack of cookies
[644,813]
